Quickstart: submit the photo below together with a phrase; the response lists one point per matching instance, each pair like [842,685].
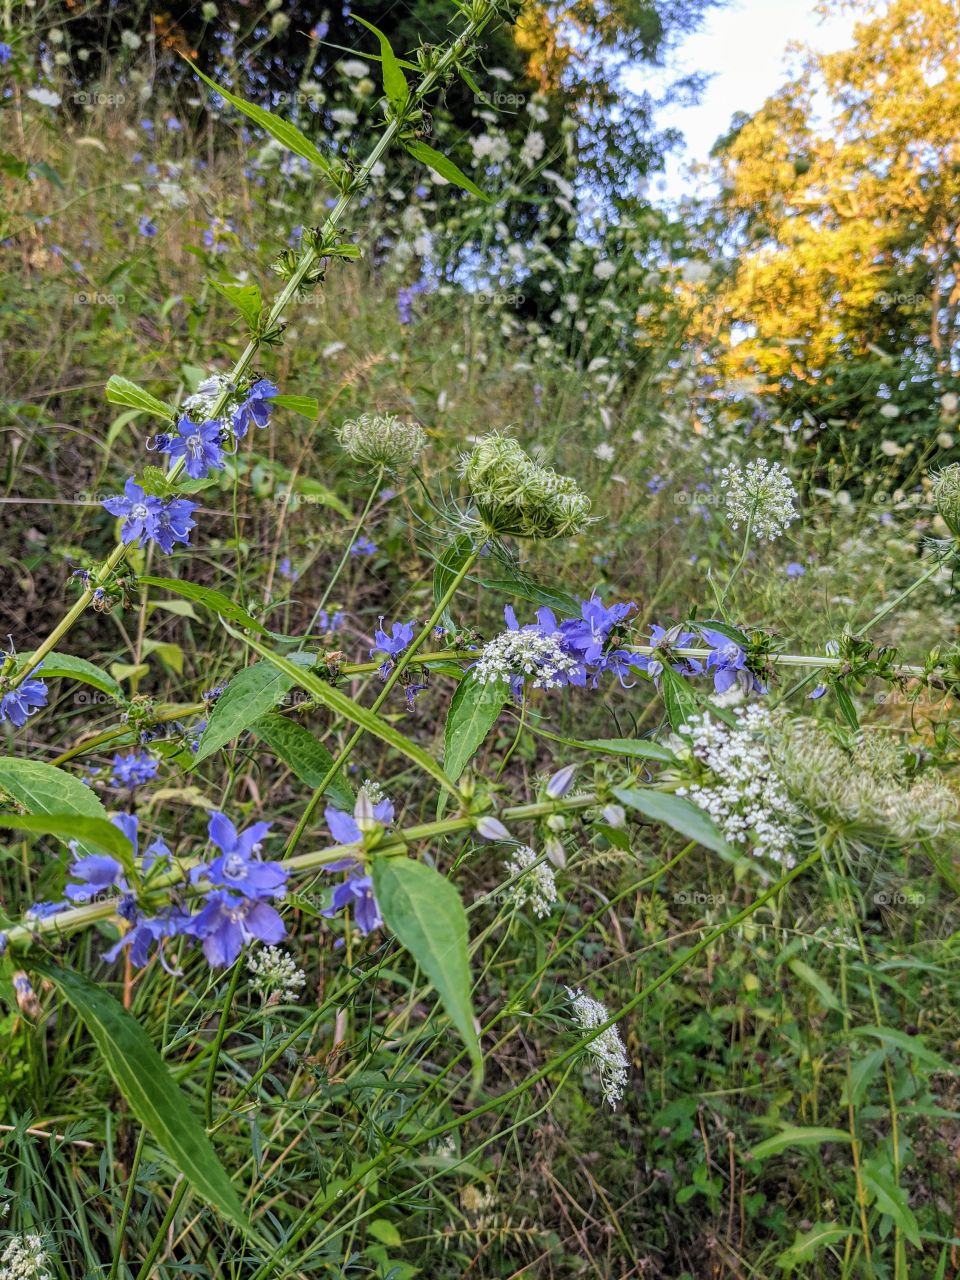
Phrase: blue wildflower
[19,704]
[134,769]
[728,663]
[665,640]
[795,570]
[363,547]
[286,570]
[357,889]
[228,922]
[6,53]
[162,520]
[405,299]
[389,647]
[358,892]
[239,866]
[817,692]
[255,409]
[147,228]
[199,444]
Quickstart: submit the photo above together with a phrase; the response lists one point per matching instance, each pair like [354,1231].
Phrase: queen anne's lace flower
[761,494]
[24,1258]
[382,440]
[522,654]
[537,886]
[607,1050]
[743,791]
[518,497]
[275,975]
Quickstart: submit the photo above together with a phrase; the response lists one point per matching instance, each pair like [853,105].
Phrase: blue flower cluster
[18,705]
[133,769]
[236,888]
[167,521]
[357,889]
[726,659]
[390,646]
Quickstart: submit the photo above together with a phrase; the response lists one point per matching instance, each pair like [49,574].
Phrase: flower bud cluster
[385,441]
[517,497]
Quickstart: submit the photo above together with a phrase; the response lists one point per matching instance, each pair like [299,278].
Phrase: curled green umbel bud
[516,497]
[946,495]
[382,440]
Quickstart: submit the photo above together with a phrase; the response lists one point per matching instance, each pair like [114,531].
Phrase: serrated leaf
[43,789]
[64,665]
[287,134]
[246,298]
[250,694]
[306,406]
[155,1098]
[154,482]
[394,81]
[445,167]
[216,601]
[350,710]
[424,910]
[123,391]
[474,710]
[522,585]
[307,757]
[679,813]
[793,1136]
[808,1243]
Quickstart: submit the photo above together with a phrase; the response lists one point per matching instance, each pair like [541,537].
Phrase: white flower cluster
[199,407]
[275,975]
[24,1258]
[762,494]
[537,886]
[525,653]
[607,1049]
[744,793]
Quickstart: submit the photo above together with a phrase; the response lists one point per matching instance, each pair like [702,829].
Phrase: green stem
[402,663]
[343,559]
[146,1270]
[127,1202]
[218,1043]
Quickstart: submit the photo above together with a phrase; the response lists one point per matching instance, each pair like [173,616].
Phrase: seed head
[378,440]
[946,495]
[517,497]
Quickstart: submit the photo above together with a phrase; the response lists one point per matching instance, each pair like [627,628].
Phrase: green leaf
[12,166]
[911,1045]
[679,813]
[845,703]
[346,707]
[424,910]
[807,1243]
[446,168]
[394,81]
[98,833]
[382,1229]
[43,789]
[474,710]
[306,406]
[250,694]
[678,698]
[70,668]
[287,134]
[793,1136]
[891,1199]
[246,298]
[123,391]
[813,979]
[309,759]
[521,584]
[155,1098]
[213,600]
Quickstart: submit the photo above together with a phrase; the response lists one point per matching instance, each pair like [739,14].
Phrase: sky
[745,44]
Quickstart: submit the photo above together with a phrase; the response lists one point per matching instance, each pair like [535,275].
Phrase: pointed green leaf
[155,1098]
[634,748]
[123,391]
[473,712]
[446,168]
[45,790]
[891,1199]
[446,570]
[307,757]
[679,813]
[794,1136]
[213,600]
[287,134]
[678,698]
[71,668]
[250,694]
[807,1243]
[813,980]
[394,81]
[306,406]
[424,910]
[346,707]
[97,833]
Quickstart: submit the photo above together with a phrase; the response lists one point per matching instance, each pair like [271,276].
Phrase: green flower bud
[946,495]
[516,497]
[382,440]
